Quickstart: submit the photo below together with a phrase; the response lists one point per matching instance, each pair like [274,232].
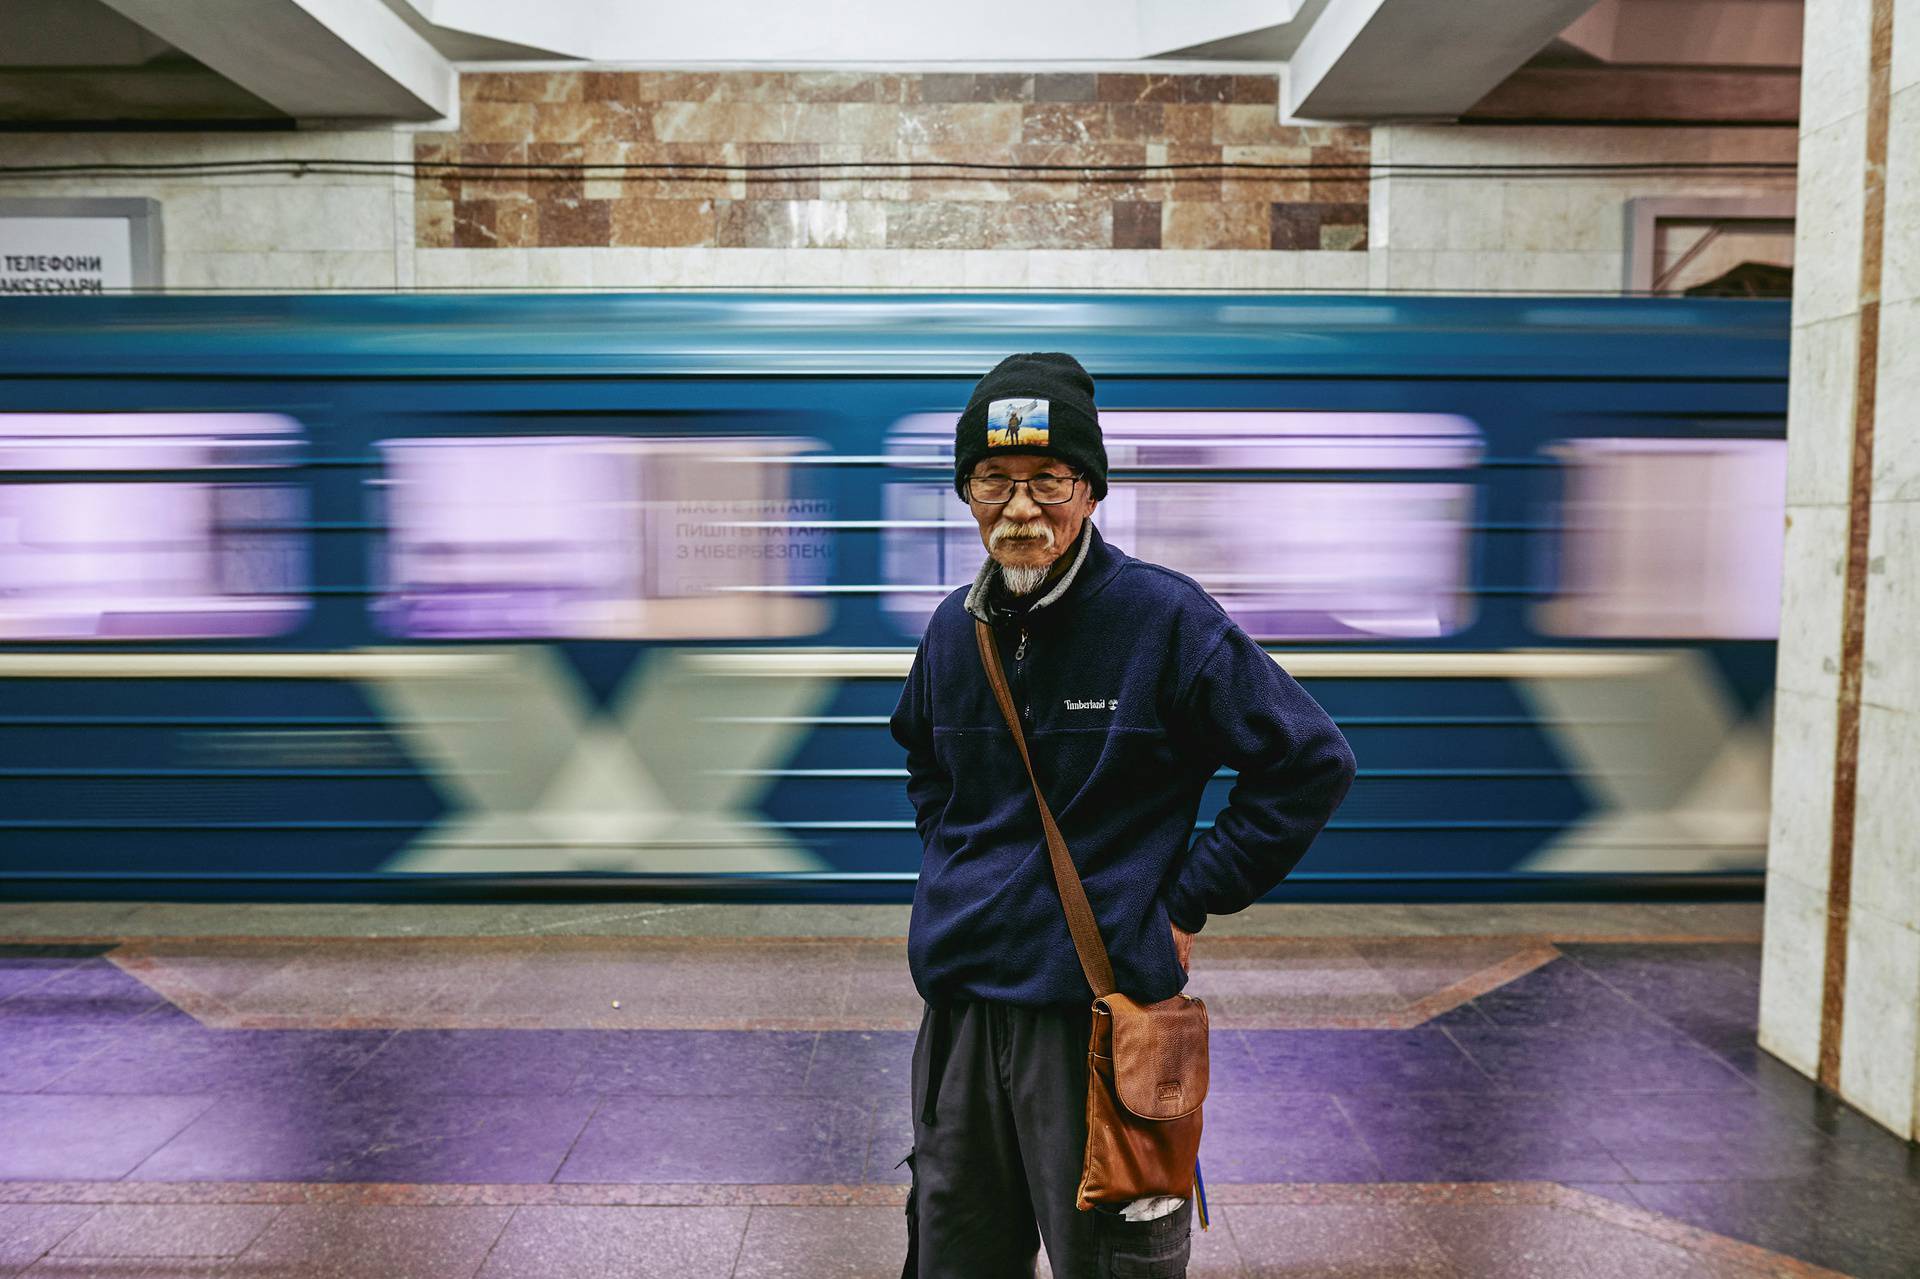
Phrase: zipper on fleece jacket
[1020,674]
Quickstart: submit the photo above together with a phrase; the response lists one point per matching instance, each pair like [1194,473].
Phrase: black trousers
[999,1131]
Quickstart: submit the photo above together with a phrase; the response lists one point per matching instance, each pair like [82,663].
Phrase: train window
[599,537]
[1669,538]
[1303,525]
[144,526]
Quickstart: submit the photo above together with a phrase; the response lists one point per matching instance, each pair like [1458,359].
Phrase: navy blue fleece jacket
[1135,687]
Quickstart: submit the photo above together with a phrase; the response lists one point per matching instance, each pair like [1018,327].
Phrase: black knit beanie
[1037,403]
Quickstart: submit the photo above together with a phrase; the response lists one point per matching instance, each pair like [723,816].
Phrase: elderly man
[1133,686]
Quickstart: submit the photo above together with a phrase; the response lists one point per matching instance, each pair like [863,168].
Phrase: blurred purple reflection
[1290,557]
[598,537]
[173,558]
[1672,539]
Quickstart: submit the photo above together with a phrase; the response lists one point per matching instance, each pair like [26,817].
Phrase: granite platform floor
[700,1091]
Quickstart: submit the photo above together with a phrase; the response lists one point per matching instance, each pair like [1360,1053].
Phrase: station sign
[78,247]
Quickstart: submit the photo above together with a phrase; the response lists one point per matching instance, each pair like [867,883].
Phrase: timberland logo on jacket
[1093,704]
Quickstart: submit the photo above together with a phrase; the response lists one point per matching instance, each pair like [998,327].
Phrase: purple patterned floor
[1625,1072]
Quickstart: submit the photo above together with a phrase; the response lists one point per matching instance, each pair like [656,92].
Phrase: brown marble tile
[1065,123]
[753,86]
[478,182]
[576,223]
[943,86]
[675,86]
[1216,225]
[1187,123]
[1128,87]
[524,86]
[896,88]
[981,123]
[980,225]
[1273,175]
[1085,224]
[566,121]
[816,123]
[1255,88]
[610,86]
[876,127]
[792,184]
[991,188]
[798,224]
[715,122]
[430,149]
[785,122]
[1235,125]
[1343,238]
[1065,86]
[1304,226]
[662,223]
[1295,226]
[433,224]
[620,122]
[564,180]
[653,174]
[1194,185]
[835,86]
[1002,86]
[496,122]
[1139,122]
[1206,88]
[1322,191]
[495,224]
[1354,157]
[1136,224]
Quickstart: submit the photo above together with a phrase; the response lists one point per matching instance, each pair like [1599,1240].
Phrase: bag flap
[1159,1054]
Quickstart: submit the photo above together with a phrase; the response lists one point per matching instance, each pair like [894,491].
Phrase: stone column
[1840,993]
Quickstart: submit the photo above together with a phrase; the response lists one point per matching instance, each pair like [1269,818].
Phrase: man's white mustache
[1008,530]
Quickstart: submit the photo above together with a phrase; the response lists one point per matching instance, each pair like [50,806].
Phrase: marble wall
[1840,995]
[827,125]
[329,229]
[1464,230]
[1547,231]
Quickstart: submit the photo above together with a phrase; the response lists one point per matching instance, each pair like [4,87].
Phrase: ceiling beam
[1416,59]
[309,58]
[1644,95]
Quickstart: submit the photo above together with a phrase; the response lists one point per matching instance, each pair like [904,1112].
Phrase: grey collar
[983,580]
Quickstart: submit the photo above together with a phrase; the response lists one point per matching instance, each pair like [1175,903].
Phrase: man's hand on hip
[1182,945]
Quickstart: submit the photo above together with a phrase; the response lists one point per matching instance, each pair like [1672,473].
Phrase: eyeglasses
[1045,488]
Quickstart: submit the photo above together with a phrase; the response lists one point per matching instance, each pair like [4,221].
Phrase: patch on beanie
[1016,422]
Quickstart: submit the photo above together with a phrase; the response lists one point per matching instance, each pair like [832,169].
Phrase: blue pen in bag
[1200,1193]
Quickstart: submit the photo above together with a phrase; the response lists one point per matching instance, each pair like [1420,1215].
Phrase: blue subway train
[437,595]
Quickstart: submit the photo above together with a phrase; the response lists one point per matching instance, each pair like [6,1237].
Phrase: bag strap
[1094,960]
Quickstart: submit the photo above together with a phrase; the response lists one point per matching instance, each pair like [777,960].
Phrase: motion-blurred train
[363,596]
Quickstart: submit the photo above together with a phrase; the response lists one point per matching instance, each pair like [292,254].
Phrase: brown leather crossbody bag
[1146,1063]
